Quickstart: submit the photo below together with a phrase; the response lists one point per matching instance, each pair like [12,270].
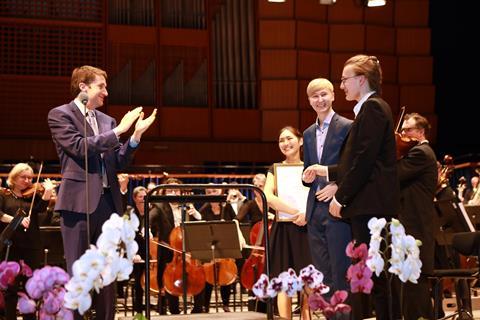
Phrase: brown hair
[368,66]
[420,122]
[85,74]
[293,130]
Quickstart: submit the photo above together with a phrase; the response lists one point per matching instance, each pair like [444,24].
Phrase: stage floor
[220,315]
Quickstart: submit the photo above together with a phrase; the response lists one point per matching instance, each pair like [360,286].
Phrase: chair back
[467,243]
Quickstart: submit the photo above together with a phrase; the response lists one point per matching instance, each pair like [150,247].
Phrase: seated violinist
[169,217]
[251,211]
[25,239]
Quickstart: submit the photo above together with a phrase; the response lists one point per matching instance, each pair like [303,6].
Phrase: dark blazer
[66,126]
[367,172]
[336,134]
[417,172]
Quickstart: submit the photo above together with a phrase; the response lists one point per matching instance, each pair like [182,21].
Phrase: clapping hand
[143,124]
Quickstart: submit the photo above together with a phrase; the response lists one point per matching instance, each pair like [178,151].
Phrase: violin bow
[35,190]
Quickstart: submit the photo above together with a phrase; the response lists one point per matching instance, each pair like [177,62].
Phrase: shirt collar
[80,106]
[359,104]
[327,120]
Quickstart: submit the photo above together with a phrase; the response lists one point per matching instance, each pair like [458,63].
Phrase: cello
[173,274]
[253,266]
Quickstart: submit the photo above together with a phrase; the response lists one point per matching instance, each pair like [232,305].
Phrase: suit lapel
[313,136]
[332,130]
[80,118]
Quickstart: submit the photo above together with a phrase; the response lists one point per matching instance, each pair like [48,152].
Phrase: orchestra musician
[169,217]
[26,240]
[138,209]
[417,172]
[211,212]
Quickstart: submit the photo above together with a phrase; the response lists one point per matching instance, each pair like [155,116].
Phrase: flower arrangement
[111,259]
[9,270]
[310,281]
[359,274]
[44,293]
[404,250]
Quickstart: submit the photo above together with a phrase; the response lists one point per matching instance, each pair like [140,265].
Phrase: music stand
[210,240]
[9,230]
[452,218]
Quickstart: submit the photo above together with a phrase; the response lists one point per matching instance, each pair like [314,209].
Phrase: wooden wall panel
[276,34]
[413,41]
[273,121]
[271,10]
[237,124]
[303,103]
[177,122]
[337,60]
[341,105]
[131,34]
[310,10]
[25,102]
[380,15]
[420,98]
[389,66]
[380,40]
[411,13]
[312,64]
[346,11]
[415,70]
[279,94]
[347,38]
[311,35]
[307,118]
[277,64]
[390,93]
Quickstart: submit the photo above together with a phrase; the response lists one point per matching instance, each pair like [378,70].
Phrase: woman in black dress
[289,240]
[26,241]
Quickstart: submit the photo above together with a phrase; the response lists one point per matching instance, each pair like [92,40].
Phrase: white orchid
[376,225]
[101,265]
[404,258]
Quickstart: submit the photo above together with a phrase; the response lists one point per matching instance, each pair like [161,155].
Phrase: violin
[173,274]
[403,144]
[37,189]
[254,265]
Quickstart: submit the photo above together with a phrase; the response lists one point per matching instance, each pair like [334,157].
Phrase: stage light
[327,2]
[375,3]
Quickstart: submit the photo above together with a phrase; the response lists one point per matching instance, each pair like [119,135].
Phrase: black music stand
[9,230]
[210,240]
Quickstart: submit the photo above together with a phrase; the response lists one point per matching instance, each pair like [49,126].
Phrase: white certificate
[289,187]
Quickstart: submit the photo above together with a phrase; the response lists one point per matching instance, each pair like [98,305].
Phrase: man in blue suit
[106,156]
[323,140]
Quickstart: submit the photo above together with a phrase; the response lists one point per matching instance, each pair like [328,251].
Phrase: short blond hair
[16,171]
[318,84]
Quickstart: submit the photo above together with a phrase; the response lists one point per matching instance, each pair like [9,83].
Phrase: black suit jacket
[417,172]
[367,174]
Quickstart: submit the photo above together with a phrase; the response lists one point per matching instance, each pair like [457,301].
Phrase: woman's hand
[299,219]
[26,222]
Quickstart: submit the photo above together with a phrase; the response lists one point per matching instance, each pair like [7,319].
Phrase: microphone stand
[84,100]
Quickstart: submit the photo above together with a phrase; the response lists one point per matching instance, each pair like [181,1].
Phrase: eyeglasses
[409,129]
[343,79]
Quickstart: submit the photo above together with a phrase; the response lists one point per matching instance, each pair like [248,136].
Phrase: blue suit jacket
[336,134]
[66,125]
